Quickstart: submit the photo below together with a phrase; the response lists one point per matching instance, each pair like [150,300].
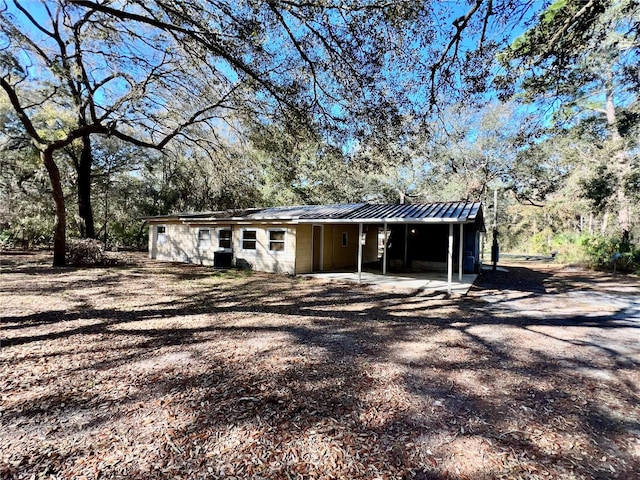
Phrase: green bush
[606,253]
[6,240]
[128,235]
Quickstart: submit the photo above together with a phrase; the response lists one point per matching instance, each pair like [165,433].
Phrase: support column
[359,253]
[384,251]
[461,253]
[450,258]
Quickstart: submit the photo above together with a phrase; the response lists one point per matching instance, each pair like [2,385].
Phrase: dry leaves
[170,371]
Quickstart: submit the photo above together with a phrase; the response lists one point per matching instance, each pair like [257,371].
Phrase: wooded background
[112,112]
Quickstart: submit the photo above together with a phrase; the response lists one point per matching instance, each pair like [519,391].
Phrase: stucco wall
[178,244]
[303,260]
[181,245]
[370,249]
[262,259]
[344,256]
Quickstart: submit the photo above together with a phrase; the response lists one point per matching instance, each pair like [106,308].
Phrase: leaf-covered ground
[158,370]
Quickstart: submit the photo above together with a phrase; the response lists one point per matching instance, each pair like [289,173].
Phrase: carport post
[450,258]
[384,252]
[460,253]
[359,253]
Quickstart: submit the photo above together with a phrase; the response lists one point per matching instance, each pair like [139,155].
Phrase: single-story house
[317,238]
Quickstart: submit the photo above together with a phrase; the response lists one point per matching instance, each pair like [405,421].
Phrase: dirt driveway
[156,370]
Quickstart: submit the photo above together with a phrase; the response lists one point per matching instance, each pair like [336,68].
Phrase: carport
[415,238]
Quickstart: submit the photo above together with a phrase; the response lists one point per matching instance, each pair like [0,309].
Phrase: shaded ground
[174,371]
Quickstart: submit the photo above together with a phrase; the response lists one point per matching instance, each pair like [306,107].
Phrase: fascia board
[386,220]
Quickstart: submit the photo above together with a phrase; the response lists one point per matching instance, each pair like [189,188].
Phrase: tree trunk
[60,226]
[605,221]
[86,224]
[621,165]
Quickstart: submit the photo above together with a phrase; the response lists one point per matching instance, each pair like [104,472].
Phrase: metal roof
[422,212]
[306,212]
[447,212]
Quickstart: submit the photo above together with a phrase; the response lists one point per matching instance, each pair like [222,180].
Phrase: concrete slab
[424,281]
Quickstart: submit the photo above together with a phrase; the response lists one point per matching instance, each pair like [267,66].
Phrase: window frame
[161,236]
[225,229]
[255,240]
[283,241]
[199,241]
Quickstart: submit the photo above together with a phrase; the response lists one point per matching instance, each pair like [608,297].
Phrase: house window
[276,240]
[249,238]
[162,233]
[224,238]
[345,239]
[204,238]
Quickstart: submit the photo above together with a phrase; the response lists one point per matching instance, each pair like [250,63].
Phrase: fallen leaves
[196,375]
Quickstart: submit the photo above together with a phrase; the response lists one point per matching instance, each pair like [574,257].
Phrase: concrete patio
[423,281]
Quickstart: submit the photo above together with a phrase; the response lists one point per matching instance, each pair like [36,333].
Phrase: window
[224,238]
[249,239]
[276,240]
[345,239]
[162,233]
[204,238]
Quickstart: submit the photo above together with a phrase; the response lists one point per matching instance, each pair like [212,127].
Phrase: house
[316,238]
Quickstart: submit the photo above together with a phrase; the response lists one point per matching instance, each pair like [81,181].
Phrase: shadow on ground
[156,369]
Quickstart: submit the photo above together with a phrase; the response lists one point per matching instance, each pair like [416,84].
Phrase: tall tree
[584,56]
[113,79]
[143,71]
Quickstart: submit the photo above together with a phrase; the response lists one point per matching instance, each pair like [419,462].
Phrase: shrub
[6,240]
[605,253]
[85,252]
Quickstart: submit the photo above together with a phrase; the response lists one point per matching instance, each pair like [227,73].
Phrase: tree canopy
[280,102]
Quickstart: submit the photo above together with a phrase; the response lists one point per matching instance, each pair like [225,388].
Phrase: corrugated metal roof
[448,212]
[424,212]
[306,211]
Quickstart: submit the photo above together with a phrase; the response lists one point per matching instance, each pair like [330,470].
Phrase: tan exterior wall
[262,259]
[337,256]
[303,260]
[342,257]
[181,245]
[370,249]
[178,244]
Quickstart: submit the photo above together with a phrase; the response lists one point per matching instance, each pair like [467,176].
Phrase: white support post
[450,258]
[359,253]
[461,252]
[384,251]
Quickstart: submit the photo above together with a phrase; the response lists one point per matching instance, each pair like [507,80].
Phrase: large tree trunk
[87,228]
[621,165]
[60,226]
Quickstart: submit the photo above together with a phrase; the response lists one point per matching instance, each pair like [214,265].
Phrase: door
[317,248]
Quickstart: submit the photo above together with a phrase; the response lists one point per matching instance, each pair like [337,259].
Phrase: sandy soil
[156,370]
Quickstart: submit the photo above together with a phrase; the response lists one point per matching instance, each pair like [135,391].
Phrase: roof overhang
[356,221]
[449,213]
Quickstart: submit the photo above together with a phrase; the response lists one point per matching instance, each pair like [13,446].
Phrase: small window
[162,233]
[224,239]
[276,240]
[204,237]
[345,239]
[249,238]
